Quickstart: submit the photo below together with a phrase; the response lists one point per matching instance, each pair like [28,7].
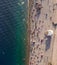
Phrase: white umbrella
[49,32]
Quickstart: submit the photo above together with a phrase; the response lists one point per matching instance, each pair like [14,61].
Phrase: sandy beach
[40,20]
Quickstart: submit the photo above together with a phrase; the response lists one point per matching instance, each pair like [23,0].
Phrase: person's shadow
[47,42]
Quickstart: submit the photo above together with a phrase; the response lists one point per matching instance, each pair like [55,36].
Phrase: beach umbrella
[49,32]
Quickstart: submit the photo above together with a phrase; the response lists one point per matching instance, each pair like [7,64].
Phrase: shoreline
[28,32]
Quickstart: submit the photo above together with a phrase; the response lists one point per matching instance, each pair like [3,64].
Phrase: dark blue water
[12,32]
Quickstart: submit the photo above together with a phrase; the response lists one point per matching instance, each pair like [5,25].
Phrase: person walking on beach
[38,8]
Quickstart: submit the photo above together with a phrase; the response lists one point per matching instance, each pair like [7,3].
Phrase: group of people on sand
[36,42]
[36,52]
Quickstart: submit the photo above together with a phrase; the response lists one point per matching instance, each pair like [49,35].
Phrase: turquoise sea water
[13,32]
